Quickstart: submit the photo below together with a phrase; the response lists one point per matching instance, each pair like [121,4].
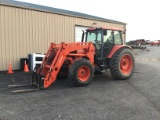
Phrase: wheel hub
[126,64]
[84,73]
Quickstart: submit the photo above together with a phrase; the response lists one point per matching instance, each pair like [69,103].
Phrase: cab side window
[108,37]
[117,38]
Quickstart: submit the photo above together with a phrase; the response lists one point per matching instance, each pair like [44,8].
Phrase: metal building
[28,28]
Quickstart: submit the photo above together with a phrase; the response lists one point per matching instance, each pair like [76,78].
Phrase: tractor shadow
[98,79]
[20,77]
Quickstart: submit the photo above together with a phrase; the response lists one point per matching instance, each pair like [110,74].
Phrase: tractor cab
[104,40]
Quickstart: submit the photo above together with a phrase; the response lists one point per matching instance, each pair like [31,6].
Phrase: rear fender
[117,47]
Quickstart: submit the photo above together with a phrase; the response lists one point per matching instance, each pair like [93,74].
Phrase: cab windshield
[94,36]
[109,36]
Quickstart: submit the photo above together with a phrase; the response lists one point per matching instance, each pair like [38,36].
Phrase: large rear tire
[122,64]
[81,73]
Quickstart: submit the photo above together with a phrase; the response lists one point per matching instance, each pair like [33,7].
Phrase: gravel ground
[152,53]
[104,99]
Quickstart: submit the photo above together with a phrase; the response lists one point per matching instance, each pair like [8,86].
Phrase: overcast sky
[142,16]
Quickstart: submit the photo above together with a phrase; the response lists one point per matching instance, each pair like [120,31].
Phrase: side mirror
[123,32]
[104,32]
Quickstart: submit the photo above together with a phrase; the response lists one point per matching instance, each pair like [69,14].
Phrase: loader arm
[58,53]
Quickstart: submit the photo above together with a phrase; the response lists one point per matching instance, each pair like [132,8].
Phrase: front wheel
[81,73]
[122,64]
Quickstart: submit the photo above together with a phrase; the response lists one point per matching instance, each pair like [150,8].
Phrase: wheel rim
[84,73]
[126,64]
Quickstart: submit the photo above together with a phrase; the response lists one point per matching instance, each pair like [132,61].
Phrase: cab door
[95,36]
[110,39]
[108,42]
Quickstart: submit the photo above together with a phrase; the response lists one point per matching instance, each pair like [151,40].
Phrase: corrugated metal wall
[24,31]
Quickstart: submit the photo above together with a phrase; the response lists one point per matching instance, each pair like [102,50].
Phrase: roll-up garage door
[78,32]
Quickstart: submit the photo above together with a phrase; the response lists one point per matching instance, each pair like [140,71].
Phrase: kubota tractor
[100,49]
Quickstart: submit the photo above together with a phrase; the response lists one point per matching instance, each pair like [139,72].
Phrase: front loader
[99,50]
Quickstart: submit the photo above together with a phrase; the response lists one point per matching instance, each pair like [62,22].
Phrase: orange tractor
[100,49]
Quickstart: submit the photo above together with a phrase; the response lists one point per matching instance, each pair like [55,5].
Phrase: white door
[78,32]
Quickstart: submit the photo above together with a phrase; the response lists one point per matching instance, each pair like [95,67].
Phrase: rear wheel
[122,64]
[81,73]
